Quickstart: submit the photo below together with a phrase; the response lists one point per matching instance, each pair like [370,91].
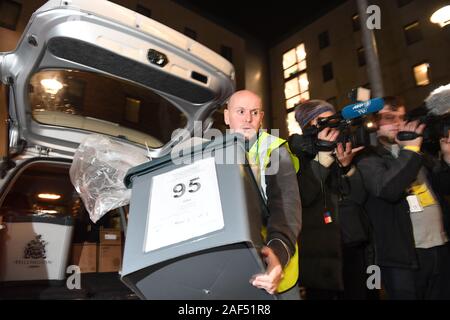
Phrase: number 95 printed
[180,188]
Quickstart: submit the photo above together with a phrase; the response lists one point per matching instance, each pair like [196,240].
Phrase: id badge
[414,204]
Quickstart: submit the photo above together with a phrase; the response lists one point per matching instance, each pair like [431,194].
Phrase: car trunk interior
[42,190]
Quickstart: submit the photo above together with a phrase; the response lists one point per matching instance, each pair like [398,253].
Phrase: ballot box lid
[219,143]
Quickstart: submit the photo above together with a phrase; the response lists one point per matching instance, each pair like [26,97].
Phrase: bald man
[279,189]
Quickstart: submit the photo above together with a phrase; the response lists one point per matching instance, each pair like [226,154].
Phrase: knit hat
[308,110]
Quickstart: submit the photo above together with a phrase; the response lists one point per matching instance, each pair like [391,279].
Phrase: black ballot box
[194,227]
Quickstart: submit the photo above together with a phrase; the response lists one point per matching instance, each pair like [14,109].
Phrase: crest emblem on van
[35,249]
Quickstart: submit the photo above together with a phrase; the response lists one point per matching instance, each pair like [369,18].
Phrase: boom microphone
[435,114]
[362,108]
[438,102]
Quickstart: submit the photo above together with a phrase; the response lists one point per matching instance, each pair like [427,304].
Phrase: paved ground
[94,286]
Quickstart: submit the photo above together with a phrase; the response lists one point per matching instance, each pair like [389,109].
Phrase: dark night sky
[267,20]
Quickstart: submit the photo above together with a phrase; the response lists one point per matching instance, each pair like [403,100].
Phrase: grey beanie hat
[308,110]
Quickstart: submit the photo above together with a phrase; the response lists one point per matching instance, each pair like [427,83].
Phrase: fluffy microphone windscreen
[438,102]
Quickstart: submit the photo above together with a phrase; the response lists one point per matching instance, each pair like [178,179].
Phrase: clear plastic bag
[97,172]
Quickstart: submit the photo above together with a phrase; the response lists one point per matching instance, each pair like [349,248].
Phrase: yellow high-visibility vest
[259,157]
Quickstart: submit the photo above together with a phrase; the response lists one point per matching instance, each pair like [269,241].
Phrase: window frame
[415,24]
[296,75]
[17,17]
[323,72]
[324,40]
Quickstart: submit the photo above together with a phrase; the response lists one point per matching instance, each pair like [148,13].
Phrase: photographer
[406,207]
[335,234]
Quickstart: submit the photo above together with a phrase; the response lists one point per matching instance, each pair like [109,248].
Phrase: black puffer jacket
[321,243]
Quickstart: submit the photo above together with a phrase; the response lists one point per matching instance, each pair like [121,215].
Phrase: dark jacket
[321,243]
[283,201]
[387,179]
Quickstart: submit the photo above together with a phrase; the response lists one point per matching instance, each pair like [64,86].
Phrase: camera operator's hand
[345,157]
[328,134]
[412,126]
[445,148]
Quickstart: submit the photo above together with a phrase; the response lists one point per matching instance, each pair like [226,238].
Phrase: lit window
[294,61]
[289,59]
[421,74]
[302,65]
[303,82]
[291,88]
[292,124]
[304,96]
[301,53]
[292,102]
[296,87]
[291,71]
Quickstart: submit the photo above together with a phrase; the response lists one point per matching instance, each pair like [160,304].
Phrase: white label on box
[110,236]
[185,204]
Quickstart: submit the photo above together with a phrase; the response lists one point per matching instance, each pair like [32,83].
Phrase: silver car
[83,67]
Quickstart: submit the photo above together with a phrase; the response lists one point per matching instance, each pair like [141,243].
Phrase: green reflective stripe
[295,160]
[262,136]
[256,147]
[274,145]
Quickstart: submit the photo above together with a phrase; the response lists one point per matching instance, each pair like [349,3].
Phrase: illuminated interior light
[51,86]
[49,196]
[47,211]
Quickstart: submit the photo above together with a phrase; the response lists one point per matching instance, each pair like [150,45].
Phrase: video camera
[435,113]
[352,123]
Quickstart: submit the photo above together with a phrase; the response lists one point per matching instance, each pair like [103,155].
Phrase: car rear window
[98,103]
